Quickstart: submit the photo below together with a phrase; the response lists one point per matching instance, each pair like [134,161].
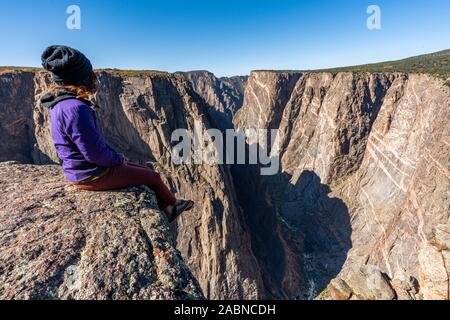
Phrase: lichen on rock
[60,243]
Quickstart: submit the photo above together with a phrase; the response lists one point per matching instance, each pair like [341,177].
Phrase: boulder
[434,264]
[366,282]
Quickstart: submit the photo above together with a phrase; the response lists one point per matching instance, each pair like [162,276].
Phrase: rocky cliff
[225,95]
[138,114]
[359,210]
[364,182]
[59,243]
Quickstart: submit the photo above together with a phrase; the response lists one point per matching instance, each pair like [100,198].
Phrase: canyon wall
[364,179]
[224,95]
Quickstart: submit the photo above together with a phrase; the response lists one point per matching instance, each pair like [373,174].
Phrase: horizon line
[34,68]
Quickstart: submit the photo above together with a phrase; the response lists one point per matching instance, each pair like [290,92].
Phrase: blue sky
[226,37]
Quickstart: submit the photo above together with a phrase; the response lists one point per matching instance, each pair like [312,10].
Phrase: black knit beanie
[67,65]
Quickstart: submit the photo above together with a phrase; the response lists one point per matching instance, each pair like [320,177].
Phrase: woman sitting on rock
[88,162]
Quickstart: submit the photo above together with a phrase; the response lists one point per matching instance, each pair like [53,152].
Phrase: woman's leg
[134,164]
[131,175]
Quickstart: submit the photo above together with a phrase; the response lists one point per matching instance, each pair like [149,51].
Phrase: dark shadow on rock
[324,223]
[300,235]
[261,221]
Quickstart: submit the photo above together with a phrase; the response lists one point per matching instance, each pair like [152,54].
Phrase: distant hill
[436,64]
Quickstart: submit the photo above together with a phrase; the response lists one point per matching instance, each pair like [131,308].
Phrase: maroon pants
[128,175]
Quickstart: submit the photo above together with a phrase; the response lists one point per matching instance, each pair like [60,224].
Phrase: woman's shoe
[180,207]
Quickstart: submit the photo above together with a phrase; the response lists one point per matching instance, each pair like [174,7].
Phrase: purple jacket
[79,141]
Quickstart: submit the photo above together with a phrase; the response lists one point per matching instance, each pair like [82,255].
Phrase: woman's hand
[125,160]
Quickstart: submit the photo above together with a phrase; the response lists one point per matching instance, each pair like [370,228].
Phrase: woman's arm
[84,133]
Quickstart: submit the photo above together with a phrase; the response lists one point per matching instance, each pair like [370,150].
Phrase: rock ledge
[59,243]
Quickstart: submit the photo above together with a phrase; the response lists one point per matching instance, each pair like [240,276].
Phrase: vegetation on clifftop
[436,64]
[112,71]
[131,73]
[6,69]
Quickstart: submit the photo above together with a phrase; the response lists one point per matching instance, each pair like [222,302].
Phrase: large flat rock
[59,243]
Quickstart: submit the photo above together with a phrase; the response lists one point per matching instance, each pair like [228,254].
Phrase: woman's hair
[83,89]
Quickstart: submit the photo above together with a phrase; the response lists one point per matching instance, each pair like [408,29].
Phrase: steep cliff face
[141,115]
[225,95]
[59,243]
[364,179]
[16,111]
[138,115]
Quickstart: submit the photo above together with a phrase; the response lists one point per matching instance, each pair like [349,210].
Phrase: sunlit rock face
[364,178]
